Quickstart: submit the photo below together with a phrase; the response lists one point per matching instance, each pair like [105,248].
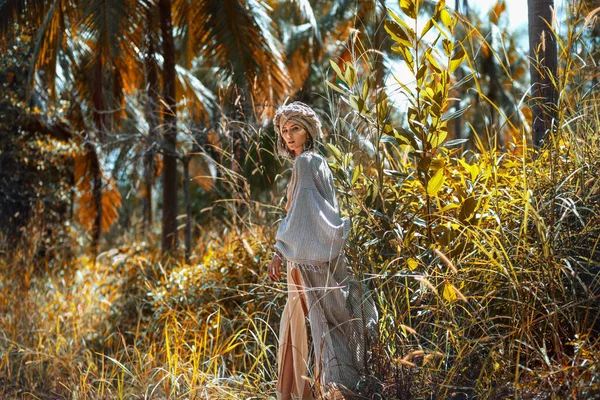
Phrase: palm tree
[103,57]
[169,232]
[544,60]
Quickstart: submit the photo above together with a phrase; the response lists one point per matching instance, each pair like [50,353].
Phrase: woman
[311,240]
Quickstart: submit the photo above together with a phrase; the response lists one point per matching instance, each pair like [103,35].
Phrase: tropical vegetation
[468,166]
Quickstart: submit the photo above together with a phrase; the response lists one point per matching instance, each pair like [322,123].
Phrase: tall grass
[484,264]
[130,327]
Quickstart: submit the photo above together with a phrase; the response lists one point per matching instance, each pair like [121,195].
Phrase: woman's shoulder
[308,158]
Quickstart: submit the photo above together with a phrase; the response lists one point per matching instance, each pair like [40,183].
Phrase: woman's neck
[296,155]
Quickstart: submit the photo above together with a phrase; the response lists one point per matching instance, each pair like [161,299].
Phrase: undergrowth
[484,262]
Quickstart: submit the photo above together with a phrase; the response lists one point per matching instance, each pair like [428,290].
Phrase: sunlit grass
[487,285]
[124,328]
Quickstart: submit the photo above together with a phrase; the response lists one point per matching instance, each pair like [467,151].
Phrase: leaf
[350,73]
[336,152]
[448,46]
[437,137]
[357,172]
[447,19]
[455,114]
[409,8]
[424,164]
[474,170]
[421,73]
[412,264]
[449,292]
[397,33]
[337,69]
[428,26]
[455,142]
[435,183]
[457,59]
[467,209]
[432,62]
[336,88]
[365,89]
[406,54]
[357,103]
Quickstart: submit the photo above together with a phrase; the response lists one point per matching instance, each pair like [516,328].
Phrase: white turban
[301,114]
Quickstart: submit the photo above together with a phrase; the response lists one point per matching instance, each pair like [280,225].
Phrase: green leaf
[406,54]
[433,62]
[428,26]
[357,103]
[398,20]
[455,142]
[421,73]
[350,73]
[435,183]
[337,69]
[455,114]
[448,46]
[467,209]
[365,89]
[404,135]
[336,88]
[424,163]
[336,152]
[438,9]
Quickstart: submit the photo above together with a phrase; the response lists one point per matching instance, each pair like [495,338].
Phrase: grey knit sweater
[313,232]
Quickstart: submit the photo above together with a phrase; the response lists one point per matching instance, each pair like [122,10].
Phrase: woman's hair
[302,115]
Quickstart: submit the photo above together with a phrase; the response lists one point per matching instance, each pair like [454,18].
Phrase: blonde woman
[310,250]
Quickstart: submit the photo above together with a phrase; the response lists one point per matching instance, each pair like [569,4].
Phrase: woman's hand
[273,268]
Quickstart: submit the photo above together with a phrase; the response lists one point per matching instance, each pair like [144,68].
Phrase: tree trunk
[169,220]
[544,60]
[152,117]
[96,170]
[188,208]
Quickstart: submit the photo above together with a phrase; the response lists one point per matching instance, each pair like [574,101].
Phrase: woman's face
[294,136]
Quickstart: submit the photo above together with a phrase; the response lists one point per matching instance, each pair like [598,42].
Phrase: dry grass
[488,285]
[129,327]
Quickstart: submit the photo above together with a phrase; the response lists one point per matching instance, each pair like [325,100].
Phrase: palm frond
[49,40]
[306,11]
[114,29]
[186,44]
[15,11]
[238,35]
[199,99]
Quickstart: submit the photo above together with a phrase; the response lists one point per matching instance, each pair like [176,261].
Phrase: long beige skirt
[337,312]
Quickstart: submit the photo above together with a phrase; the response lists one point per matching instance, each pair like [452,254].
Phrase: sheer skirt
[338,312]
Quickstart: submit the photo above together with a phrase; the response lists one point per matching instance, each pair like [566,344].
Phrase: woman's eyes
[294,129]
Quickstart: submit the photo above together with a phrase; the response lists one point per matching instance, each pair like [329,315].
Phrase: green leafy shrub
[466,250]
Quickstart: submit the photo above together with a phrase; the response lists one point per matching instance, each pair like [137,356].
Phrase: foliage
[468,251]
[36,170]
[484,263]
[129,324]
